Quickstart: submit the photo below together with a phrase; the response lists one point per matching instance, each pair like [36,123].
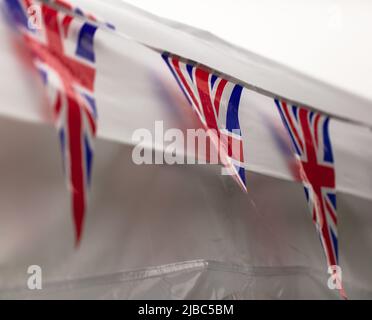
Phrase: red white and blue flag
[309,132]
[216,102]
[63,52]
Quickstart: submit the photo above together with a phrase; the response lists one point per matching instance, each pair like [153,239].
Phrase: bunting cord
[230,78]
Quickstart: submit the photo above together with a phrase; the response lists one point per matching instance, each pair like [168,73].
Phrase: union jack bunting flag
[63,52]
[309,133]
[216,102]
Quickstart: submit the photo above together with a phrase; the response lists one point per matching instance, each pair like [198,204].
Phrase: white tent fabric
[165,231]
[175,231]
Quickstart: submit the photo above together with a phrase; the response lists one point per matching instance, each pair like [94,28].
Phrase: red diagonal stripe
[175,63]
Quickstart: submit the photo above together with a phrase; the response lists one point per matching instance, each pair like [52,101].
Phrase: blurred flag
[63,52]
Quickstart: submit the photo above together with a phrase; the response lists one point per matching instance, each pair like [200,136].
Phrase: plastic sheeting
[165,231]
